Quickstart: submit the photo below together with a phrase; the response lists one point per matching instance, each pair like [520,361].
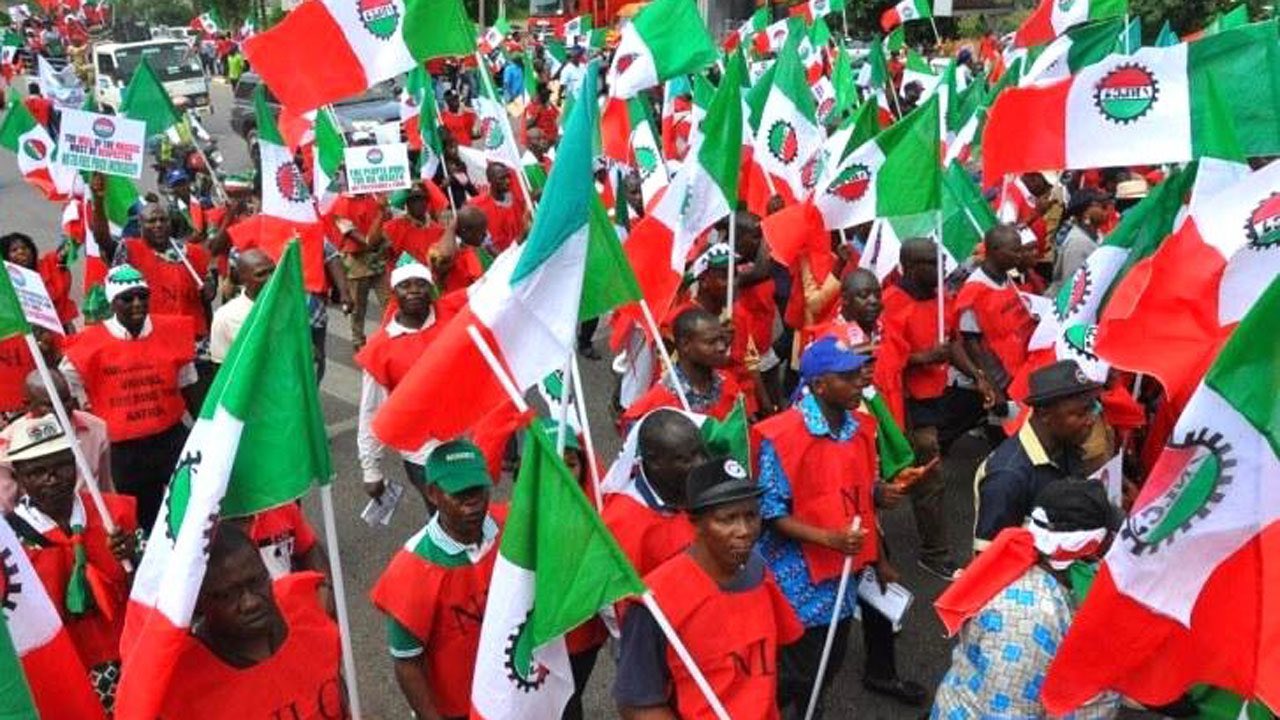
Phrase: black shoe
[589,352]
[941,569]
[902,690]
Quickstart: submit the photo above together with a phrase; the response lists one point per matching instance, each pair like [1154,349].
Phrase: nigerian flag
[258,443]
[557,566]
[12,321]
[145,99]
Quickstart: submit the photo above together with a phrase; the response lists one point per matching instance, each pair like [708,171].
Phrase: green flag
[1167,37]
[966,215]
[844,82]
[16,702]
[146,99]
[438,28]
[896,39]
[609,281]
[12,321]
[266,388]
[892,446]
[728,437]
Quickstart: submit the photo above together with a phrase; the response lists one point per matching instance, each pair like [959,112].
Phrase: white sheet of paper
[379,512]
[893,603]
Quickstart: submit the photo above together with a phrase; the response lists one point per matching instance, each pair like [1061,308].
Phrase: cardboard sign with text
[377,168]
[107,144]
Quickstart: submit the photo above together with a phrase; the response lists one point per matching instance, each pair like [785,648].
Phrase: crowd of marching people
[793,381]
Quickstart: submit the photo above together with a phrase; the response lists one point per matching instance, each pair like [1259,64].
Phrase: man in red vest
[460,122]
[645,513]
[723,604]
[414,232]
[78,561]
[386,359]
[702,347]
[258,648]
[435,588]
[500,205]
[137,373]
[994,321]
[471,256]
[818,472]
[177,287]
[919,364]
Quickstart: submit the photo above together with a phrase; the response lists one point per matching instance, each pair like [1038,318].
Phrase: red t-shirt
[406,235]
[460,125]
[506,221]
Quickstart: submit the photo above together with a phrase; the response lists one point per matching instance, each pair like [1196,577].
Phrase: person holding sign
[78,561]
[137,372]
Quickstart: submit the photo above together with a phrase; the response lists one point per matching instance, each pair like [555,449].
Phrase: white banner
[107,144]
[36,304]
[377,168]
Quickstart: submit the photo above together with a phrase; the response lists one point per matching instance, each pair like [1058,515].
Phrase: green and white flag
[557,567]
[328,151]
[12,321]
[965,217]
[788,137]
[208,22]
[576,31]
[1080,46]
[145,99]
[667,38]
[27,139]
[495,126]
[898,173]
[648,153]
[259,442]
[1167,36]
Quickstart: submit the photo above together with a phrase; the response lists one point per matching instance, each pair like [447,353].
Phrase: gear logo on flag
[380,17]
[1064,6]
[35,149]
[1263,228]
[1126,93]
[1072,297]
[1078,343]
[784,145]
[290,183]
[491,132]
[624,63]
[374,156]
[811,171]
[646,162]
[778,37]
[1189,478]
[826,106]
[851,184]
[10,588]
[104,128]
[527,675]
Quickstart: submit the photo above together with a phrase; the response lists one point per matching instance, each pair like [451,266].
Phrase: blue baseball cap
[829,355]
[175,176]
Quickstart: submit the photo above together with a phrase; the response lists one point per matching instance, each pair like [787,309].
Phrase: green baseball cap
[456,466]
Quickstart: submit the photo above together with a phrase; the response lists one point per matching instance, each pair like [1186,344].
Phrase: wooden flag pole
[340,599]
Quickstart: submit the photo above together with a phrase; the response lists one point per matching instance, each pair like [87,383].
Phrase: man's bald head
[919,260]
[859,280]
[254,268]
[669,446]
[472,225]
[1003,246]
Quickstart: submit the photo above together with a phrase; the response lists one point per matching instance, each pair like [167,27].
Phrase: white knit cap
[122,279]
[407,267]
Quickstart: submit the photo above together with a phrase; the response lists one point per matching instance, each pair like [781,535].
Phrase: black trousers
[581,664]
[798,662]
[142,467]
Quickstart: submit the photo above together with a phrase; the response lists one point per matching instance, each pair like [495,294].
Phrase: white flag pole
[580,401]
[340,597]
[496,368]
[668,364]
[845,571]
[942,327]
[683,653]
[182,253]
[566,385]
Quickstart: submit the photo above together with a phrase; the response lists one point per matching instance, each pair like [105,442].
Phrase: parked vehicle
[358,116]
[175,64]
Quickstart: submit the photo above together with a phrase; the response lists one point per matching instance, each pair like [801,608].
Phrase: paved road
[923,652]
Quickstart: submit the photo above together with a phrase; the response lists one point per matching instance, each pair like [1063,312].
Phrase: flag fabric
[119,196]
[524,311]
[1189,294]
[1073,50]
[918,70]
[1051,18]
[896,39]
[557,567]
[776,35]
[21,135]
[817,9]
[1130,37]
[287,209]
[328,150]
[1233,18]
[417,85]
[667,38]
[1188,587]
[349,47]
[577,28]
[12,320]
[258,443]
[1149,107]
[842,79]
[492,38]
[628,137]
[897,173]
[905,11]
[789,136]
[207,23]
[1167,36]
[494,127]
[145,99]
[41,675]
[1141,230]
[758,21]
[966,214]
[703,190]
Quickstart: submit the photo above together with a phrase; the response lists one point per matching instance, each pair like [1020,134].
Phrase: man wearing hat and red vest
[137,372]
[646,514]
[818,473]
[258,648]
[1014,604]
[702,348]
[415,232]
[386,358]
[1064,407]
[995,324]
[175,290]
[723,604]
[435,588]
[78,561]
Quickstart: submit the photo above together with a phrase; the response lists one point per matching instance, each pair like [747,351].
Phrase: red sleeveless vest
[388,359]
[173,290]
[915,323]
[1006,323]
[647,537]
[830,483]
[299,682]
[443,608]
[738,658]
[133,384]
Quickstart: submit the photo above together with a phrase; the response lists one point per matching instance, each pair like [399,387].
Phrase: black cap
[717,482]
[1076,504]
[1063,379]
[1085,197]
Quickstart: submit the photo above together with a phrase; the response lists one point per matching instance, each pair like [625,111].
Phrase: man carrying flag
[433,592]
[723,602]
